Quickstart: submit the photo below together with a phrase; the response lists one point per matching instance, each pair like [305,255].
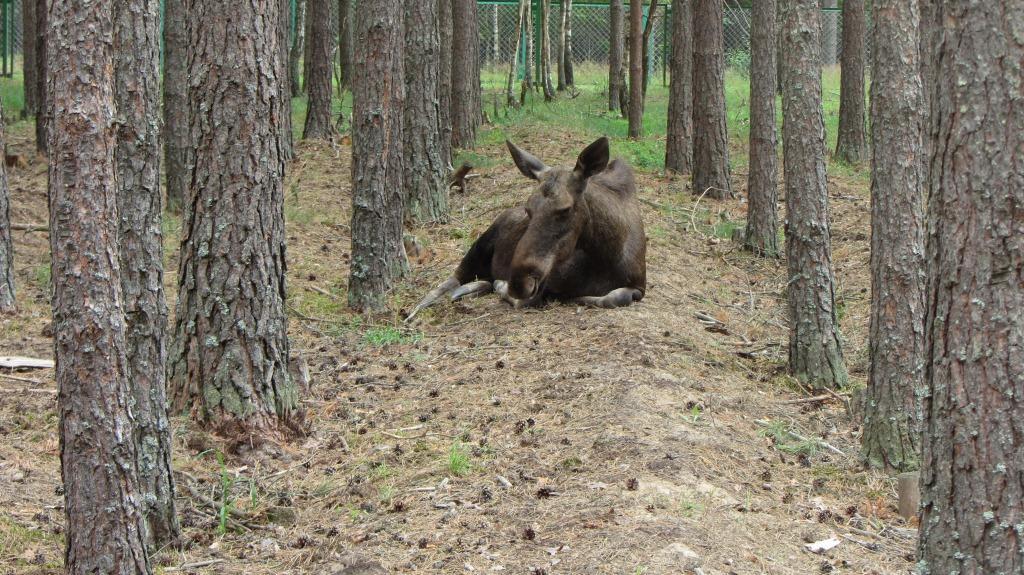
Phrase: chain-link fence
[590,27]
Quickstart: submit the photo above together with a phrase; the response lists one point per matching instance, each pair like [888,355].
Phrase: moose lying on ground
[579,239]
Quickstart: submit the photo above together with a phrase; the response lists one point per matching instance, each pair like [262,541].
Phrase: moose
[579,238]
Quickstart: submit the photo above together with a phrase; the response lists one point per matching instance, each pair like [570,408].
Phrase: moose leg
[621,297]
[433,296]
[471,289]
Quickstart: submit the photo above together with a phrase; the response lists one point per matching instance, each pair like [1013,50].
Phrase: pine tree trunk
[307,45]
[891,425]
[652,19]
[815,354]
[43,111]
[103,500]
[140,211]
[466,110]
[444,78]
[762,233]
[570,75]
[229,361]
[28,53]
[560,51]
[513,68]
[345,43]
[426,194]
[636,69]
[972,473]
[711,138]
[175,103]
[318,84]
[530,55]
[679,141]
[378,162]
[7,303]
[545,50]
[851,144]
[297,48]
[284,31]
[616,51]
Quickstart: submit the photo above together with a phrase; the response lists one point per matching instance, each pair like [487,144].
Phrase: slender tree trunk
[972,473]
[616,50]
[297,47]
[891,419]
[345,43]
[28,52]
[679,142]
[570,76]
[815,353]
[43,112]
[851,145]
[318,83]
[103,499]
[307,46]
[779,68]
[229,363]
[530,55]
[545,50]
[140,211]
[378,256]
[762,234]
[711,138]
[7,303]
[560,52]
[284,31]
[444,80]
[495,43]
[652,17]
[466,110]
[510,94]
[636,71]
[426,198]
[175,103]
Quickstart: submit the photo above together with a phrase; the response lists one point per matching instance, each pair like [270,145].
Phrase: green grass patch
[458,463]
[389,335]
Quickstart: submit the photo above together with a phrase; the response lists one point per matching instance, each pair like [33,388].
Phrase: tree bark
[560,52]
[636,70]
[972,474]
[815,353]
[140,211]
[378,255]
[229,363]
[318,84]
[345,43]
[103,499]
[7,303]
[570,75]
[466,110]
[43,111]
[762,234]
[545,51]
[175,104]
[530,53]
[444,79]
[679,141]
[297,48]
[28,52]
[927,31]
[891,418]
[616,54]
[711,138]
[510,94]
[426,197]
[851,144]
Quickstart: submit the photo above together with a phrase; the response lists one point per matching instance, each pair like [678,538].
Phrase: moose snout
[525,285]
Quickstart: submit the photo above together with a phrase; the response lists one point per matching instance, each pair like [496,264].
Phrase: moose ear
[528,164]
[593,159]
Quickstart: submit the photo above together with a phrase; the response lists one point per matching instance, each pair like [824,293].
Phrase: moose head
[557,215]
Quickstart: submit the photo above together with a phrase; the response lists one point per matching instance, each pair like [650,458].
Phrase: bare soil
[483,439]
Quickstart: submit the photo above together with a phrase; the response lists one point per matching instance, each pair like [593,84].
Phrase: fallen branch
[236,517]
[18,362]
[21,379]
[796,435]
[193,565]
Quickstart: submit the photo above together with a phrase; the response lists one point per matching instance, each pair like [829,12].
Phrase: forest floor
[482,439]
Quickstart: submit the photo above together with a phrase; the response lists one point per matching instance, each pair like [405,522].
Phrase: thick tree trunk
[140,214]
[466,110]
[891,418]
[570,75]
[815,354]
[762,234]
[851,144]
[444,78]
[679,141]
[297,48]
[28,53]
[616,53]
[636,69]
[175,104]
[711,138]
[318,84]
[345,43]
[426,195]
[378,255]
[513,68]
[972,473]
[103,499]
[229,363]
[6,246]
[545,51]
[43,111]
